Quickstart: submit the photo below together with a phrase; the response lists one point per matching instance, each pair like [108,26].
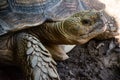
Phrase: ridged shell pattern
[32,6]
[3,27]
[3,4]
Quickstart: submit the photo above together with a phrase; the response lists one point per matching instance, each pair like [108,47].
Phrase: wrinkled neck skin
[54,33]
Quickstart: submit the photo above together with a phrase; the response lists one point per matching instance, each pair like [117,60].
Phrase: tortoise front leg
[35,59]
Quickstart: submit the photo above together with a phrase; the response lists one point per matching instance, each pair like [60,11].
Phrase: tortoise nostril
[86,22]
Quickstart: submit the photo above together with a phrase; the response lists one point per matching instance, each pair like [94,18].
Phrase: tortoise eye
[86,22]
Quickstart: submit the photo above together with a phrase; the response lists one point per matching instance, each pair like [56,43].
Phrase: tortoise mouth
[98,28]
[101,24]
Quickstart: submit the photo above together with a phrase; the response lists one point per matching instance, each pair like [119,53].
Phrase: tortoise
[32,30]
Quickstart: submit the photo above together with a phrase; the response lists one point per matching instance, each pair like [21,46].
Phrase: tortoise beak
[104,19]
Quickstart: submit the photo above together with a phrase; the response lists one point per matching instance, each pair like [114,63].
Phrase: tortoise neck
[52,33]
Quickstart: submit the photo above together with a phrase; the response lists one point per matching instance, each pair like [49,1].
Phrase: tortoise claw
[57,52]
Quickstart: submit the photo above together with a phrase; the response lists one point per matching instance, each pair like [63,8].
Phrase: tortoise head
[83,26]
[77,29]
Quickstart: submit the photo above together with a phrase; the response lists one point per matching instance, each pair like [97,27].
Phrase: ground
[86,62]
[91,61]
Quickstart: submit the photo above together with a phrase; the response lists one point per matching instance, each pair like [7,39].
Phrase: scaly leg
[35,59]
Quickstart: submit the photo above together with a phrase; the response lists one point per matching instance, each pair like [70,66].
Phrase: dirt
[91,61]
[88,63]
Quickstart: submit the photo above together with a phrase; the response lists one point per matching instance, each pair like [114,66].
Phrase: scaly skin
[77,29]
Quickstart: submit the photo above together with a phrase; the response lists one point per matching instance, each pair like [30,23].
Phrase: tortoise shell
[21,14]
